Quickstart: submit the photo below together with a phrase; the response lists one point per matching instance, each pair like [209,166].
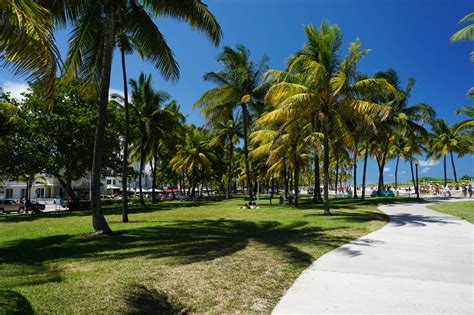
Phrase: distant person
[469,189]
[281,201]
[270,192]
[464,190]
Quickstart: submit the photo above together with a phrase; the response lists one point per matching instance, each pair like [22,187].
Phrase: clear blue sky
[410,36]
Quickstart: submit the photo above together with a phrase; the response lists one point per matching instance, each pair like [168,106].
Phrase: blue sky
[410,36]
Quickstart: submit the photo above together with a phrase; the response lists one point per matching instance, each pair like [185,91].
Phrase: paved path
[421,262]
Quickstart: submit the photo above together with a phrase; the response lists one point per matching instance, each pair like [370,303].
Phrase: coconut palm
[445,140]
[319,84]
[238,86]
[227,133]
[466,33]
[403,119]
[194,157]
[27,42]
[150,44]
[149,119]
[92,44]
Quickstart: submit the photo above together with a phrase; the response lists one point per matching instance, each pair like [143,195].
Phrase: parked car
[11,205]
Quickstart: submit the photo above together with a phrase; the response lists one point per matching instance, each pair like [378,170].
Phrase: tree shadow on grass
[182,241]
[12,302]
[142,300]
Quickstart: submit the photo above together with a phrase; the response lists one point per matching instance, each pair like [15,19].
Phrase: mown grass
[207,256]
[461,209]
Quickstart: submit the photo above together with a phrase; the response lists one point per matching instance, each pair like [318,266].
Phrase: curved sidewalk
[420,262]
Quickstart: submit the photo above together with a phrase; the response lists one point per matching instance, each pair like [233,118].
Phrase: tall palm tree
[227,133]
[318,83]
[147,40]
[445,140]
[403,119]
[91,49]
[238,86]
[149,119]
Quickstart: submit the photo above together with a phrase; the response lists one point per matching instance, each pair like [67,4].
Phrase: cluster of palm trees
[321,115]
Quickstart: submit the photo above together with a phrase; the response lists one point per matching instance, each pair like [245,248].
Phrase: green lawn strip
[191,256]
[461,209]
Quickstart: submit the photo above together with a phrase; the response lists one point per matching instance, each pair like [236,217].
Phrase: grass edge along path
[176,257]
[461,209]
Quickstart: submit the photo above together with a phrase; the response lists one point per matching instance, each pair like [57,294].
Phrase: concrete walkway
[421,262]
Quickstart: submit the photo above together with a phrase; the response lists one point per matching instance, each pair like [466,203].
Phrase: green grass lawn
[207,256]
[462,209]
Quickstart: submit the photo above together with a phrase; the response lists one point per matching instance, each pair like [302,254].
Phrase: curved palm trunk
[396,173]
[98,220]
[355,170]
[326,166]
[337,173]
[364,171]
[142,161]
[285,170]
[125,142]
[454,168]
[381,165]
[246,152]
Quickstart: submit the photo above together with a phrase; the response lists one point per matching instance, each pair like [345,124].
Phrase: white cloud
[15,89]
[429,162]
[391,174]
[386,169]
[115,91]
[425,170]
[403,172]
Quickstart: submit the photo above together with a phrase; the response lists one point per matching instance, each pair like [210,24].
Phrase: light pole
[417,188]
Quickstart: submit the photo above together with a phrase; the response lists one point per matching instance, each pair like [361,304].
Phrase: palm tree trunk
[412,175]
[98,220]
[364,171]
[153,181]
[142,161]
[229,171]
[296,180]
[445,175]
[396,172]
[285,170]
[125,142]
[337,173]
[317,179]
[326,166]
[355,170]
[246,152]
[454,168]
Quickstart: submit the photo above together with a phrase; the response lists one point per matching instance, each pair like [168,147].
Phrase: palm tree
[92,45]
[466,33]
[319,84]
[238,86]
[194,157]
[149,120]
[445,140]
[27,42]
[227,133]
[403,119]
[147,40]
